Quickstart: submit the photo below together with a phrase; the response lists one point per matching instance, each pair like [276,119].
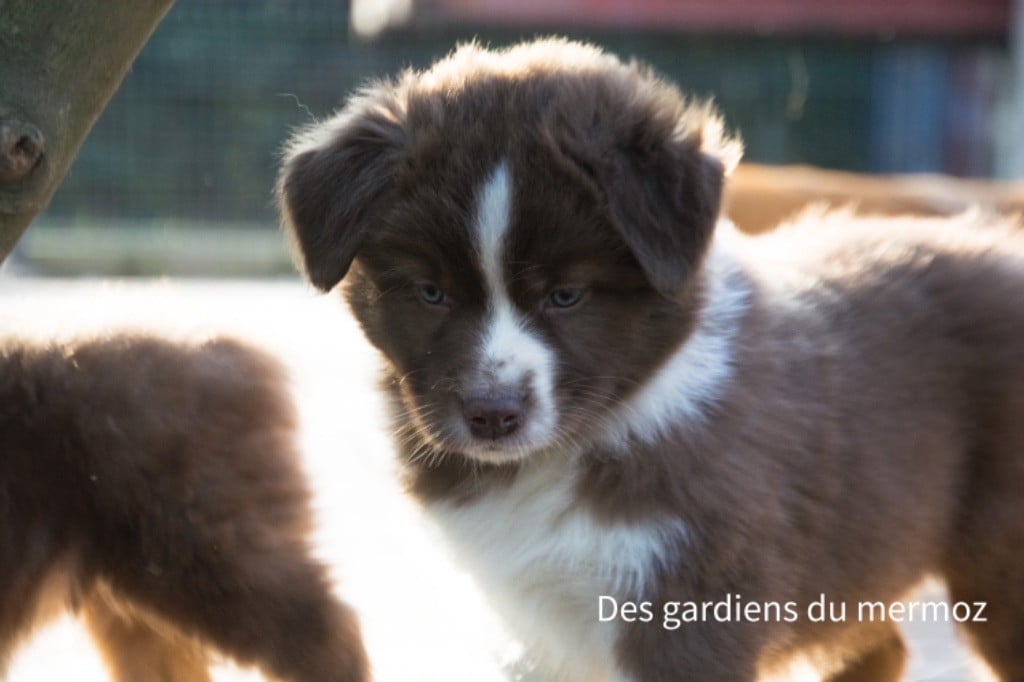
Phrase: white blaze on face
[512,359]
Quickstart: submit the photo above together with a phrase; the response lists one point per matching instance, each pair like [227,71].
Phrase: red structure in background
[851,18]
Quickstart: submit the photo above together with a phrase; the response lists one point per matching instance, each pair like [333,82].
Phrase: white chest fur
[544,561]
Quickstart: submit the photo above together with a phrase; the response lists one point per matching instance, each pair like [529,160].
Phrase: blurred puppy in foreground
[604,398]
[155,486]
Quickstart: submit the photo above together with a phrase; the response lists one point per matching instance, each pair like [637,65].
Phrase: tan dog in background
[759,197]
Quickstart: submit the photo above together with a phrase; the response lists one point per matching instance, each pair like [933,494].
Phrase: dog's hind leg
[32,588]
[996,622]
[137,649]
[989,600]
[883,662]
[16,608]
[984,562]
[274,610]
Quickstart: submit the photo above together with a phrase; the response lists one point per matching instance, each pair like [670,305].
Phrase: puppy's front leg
[696,652]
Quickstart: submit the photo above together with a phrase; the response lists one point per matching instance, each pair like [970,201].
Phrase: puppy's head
[519,232]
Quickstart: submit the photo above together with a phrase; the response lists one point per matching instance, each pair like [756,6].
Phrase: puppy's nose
[493,417]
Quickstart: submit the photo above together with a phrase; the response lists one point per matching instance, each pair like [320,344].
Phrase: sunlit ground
[421,616]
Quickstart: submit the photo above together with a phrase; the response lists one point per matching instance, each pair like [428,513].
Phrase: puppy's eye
[565,298]
[431,293]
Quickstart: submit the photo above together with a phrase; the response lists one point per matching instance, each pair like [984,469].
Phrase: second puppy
[155,485]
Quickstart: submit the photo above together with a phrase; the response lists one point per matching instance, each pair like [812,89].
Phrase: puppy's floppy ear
[333,176]
[660,171]
[664,200]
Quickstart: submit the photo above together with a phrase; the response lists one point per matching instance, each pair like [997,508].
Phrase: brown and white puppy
[155,484]
[597,393]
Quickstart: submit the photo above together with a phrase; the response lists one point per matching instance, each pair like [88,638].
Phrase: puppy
[598,394]
[155,485]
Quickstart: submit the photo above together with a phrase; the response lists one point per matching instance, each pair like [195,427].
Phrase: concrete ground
[422,617]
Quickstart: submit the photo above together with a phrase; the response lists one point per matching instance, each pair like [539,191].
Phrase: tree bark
[60,62]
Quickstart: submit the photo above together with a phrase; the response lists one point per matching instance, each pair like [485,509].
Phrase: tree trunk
[60,62]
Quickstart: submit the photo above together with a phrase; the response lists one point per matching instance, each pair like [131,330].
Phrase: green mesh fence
[194,131]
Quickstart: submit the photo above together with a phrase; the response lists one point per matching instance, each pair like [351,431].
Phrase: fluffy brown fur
[156,486]
[857,418]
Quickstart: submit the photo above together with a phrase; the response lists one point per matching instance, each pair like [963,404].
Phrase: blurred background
[176,177]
